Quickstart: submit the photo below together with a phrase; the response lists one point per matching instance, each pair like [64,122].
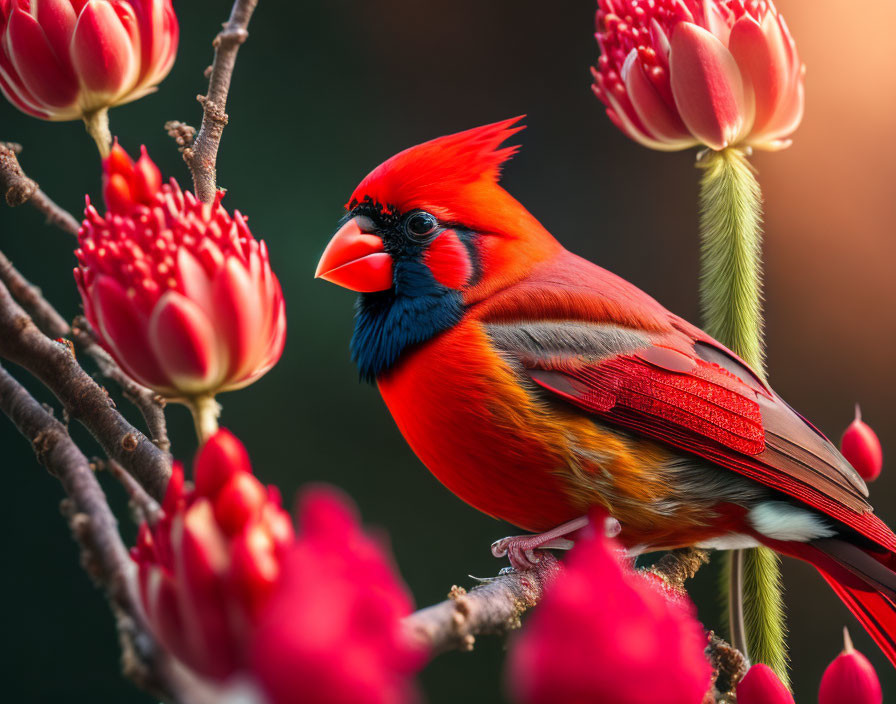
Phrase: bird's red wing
[696,405]
[573,328]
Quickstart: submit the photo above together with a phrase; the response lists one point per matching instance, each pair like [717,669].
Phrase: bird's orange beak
[356,260]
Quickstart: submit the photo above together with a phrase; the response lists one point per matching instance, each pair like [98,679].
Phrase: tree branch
[55,365]
[19,189]
[202,155]
[93,526]
[494,607]
[143,506]
[729,667]
[678,566]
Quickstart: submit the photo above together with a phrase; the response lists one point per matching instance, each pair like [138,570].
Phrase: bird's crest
[435,172]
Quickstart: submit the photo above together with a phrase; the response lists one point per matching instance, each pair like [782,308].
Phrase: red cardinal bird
[536,385]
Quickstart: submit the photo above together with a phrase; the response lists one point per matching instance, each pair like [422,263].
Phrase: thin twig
[30,298]
[143,506]
[19,189]
[729,666]
[676,567]
[150,404]
[202,155]
[491,608]
[93,526]
[55,365]
[182,133]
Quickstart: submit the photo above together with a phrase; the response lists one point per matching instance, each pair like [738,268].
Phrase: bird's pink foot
[520,549]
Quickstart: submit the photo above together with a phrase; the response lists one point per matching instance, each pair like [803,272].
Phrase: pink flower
[861,447]
[208,566]
[231,592]
[66,59]
[331,633]
[179,293]
[603,633]
[850,678]
[761,686]
[677,73]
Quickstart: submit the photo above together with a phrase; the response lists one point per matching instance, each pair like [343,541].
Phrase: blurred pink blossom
[332,632]
[603,633]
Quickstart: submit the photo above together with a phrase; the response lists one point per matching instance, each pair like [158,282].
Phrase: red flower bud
[761,686]
[179,292]
[127,184]
[850,678]
[239,501]
[66,59]
[255,566]
[204,580]
[861,447]
[218,461]
[677,73]
[605,634]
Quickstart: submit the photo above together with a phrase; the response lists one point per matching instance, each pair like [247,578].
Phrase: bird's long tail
[864,580]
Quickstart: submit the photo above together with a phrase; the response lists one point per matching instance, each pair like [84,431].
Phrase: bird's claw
[521,549]
[516,550]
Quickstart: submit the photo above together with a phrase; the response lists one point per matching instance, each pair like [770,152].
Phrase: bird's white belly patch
[729,541]
[782,521]
[776,520]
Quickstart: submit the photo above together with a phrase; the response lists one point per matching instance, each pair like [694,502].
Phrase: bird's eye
[420,225]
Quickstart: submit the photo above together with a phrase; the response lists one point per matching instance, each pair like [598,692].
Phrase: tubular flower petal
[677,73]
[761,686]
[179,293]
[66,59]
[861,447]
[209,564]
[127,184]
[850,678]
[331,633]
[605,634]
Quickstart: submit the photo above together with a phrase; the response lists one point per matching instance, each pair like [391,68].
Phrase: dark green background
[322,93]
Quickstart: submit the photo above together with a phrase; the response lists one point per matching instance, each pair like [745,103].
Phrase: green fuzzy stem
[731,253]
[731,296]
[764,610]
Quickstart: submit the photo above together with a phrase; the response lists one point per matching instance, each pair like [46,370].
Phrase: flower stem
[731,296]
[97,124]
[731,253]
[205,412]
